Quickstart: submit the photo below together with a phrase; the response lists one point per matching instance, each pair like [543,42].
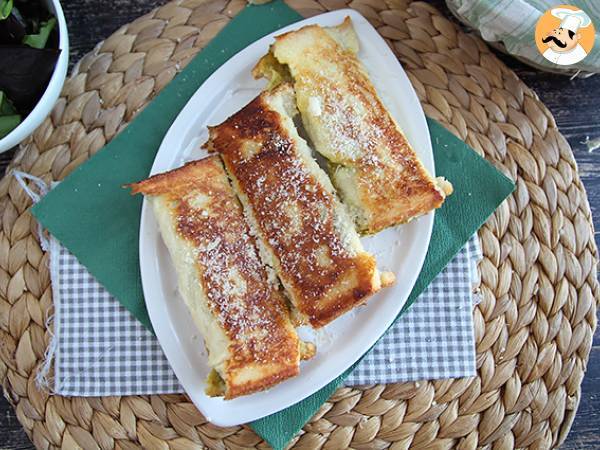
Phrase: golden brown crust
[263,344]
[375,169]
[295,212]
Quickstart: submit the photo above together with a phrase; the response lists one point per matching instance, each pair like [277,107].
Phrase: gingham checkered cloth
[101,349]
[434,339]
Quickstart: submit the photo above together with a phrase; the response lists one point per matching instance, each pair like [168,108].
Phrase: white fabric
[565,58]
[571,20]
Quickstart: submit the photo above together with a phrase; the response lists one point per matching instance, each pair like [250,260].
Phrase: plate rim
[146,215]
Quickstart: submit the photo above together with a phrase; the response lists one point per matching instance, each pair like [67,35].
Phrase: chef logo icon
[564,35]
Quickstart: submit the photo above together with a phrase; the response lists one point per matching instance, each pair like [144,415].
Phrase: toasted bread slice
[242,317]
[304,232]
[377,173]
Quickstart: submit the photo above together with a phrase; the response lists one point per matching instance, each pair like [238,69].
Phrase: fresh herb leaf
[6,107]
[40,39]
[9,119]
[24,73]
[12,29]
[6,7]
[8,123]
[28,55]
[34,12]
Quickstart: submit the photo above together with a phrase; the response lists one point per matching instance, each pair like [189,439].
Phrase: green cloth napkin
[98,221]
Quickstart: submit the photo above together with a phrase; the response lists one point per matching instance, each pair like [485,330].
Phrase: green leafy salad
[28,54]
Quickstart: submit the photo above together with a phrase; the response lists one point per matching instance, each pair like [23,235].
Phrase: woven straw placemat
[533,327]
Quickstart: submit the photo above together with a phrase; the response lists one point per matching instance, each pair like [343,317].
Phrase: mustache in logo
[559,43]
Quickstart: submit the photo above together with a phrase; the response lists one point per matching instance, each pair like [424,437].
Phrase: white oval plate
[401,249]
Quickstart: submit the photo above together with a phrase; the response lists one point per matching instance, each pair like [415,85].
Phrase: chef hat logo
[564,35]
